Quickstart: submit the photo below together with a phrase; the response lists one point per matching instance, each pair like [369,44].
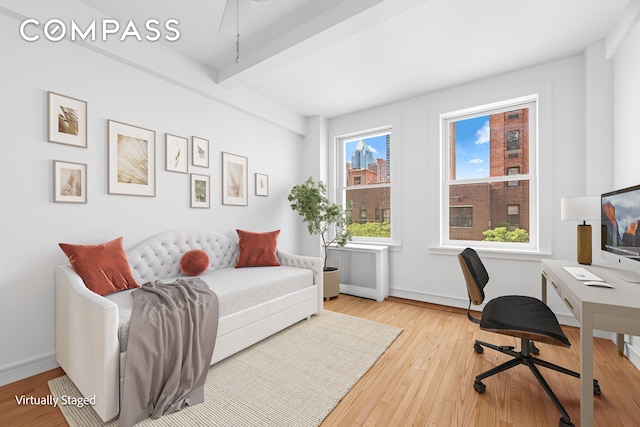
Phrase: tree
[502,234]
[370,229]
[321,215]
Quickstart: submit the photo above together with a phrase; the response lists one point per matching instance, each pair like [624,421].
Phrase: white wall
[313,164]
[421,273]
[32,225]
[627,111]
[588,145]
[626,149]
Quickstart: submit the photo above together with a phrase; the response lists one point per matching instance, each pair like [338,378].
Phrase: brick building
[371,204]
[474,208]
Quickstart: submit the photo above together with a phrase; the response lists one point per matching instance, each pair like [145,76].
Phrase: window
[461,216]
[513,216]
[386,215]
[514,170]
[365,174]
[513,140]
[489,180]
[363,216]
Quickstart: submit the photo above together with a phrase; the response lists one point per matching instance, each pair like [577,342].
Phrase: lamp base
[584,244]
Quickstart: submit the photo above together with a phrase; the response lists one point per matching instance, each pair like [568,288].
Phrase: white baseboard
[430,298]
[633,354]
[27,368]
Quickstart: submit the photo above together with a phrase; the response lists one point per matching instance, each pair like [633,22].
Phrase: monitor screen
[620,216]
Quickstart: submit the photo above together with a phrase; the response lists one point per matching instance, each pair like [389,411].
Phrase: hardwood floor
[12,414]
[425,378]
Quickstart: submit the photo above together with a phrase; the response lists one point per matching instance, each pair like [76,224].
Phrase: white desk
[616,310]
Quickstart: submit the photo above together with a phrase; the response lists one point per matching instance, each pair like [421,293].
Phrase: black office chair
[522,317]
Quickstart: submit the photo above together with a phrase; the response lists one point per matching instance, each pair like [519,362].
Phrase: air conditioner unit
[364,269]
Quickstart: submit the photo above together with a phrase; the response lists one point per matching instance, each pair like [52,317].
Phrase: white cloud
[483,134]
[476,161]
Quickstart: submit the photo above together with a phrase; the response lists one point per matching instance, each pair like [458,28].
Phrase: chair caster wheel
[478,348]
[565,423]
[596,388]
[534,349]
[479,387]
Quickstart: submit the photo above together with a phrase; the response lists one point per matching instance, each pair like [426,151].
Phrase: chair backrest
[475,274]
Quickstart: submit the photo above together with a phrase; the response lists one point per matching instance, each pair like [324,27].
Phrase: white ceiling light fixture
[235,13]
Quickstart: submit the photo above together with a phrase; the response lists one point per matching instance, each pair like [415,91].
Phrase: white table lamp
[583,209]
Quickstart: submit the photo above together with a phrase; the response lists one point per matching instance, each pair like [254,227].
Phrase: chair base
[523,357]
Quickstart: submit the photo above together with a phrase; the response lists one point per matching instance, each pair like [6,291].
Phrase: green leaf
[321,216]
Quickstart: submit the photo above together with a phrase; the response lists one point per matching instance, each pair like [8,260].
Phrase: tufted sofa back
[158,257]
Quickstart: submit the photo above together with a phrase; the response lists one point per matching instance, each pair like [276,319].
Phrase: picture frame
[176,153]
[67,119]
[69,182]
[234,180]
[199,152]
[262,185]
[131,160]
[200,191]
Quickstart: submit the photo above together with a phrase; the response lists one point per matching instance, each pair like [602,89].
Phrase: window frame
[340,177]
[536,242]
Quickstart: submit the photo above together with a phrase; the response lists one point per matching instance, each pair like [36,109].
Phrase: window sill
[501,253]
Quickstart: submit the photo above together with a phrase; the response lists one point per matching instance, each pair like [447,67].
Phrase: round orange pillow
[194,262]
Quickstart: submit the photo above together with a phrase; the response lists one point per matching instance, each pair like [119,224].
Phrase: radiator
[364,269]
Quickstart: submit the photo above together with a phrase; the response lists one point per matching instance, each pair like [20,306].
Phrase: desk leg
[544,288]
[620,342]
[586,369]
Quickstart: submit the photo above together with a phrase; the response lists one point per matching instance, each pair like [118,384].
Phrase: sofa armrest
[314,264]
[87,345]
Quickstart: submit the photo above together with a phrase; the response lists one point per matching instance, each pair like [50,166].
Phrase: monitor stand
[630,277]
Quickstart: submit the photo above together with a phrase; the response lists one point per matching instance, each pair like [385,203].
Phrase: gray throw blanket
[171,338]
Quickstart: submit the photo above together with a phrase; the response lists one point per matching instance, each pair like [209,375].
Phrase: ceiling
[334,57]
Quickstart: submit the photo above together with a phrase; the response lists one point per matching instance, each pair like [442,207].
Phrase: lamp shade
[586,208]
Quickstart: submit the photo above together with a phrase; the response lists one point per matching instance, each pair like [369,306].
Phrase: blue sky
[472,148]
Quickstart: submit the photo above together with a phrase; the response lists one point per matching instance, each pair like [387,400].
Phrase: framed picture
[234,180]
[67,120]
[69,182]
[262,184]
[200,191]
[132,160]
[176,148]
[200,152]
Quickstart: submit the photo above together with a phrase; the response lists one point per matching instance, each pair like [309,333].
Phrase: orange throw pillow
[194,262]
[104,268]
[257,249]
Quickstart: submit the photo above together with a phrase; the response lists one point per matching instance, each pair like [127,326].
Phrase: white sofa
[88,347]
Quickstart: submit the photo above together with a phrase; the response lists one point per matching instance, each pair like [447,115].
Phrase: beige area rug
[294,378]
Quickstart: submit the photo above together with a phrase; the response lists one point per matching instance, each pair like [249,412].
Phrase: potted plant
[324,218]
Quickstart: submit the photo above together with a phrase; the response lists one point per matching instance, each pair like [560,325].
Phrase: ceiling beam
[156,60]
[345,19]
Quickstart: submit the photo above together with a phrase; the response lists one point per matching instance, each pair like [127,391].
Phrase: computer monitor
[620,221]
